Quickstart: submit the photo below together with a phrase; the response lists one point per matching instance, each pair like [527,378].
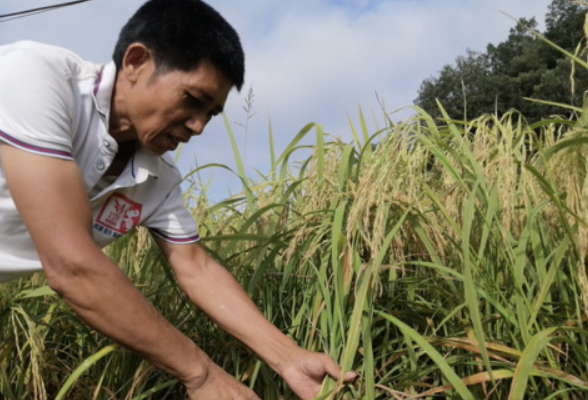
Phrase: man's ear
[138,59]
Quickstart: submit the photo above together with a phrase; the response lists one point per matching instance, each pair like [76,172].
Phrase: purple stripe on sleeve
[175,239]
[31,147]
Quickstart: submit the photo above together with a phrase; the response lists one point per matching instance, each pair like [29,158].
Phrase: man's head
[181,34]
[177,61]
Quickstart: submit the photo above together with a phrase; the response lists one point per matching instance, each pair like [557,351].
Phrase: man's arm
[51,197]
[214,290]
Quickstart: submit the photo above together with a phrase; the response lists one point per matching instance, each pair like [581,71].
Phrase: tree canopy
[523,66]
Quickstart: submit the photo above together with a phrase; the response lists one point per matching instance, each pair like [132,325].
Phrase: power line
[32,11]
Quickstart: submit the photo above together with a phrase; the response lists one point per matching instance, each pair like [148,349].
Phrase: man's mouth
[174,140]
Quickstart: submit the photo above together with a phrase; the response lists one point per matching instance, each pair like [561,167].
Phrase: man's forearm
[104,297]
[216,292]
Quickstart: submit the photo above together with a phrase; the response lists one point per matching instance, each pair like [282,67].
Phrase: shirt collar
[144,164]
[103,89]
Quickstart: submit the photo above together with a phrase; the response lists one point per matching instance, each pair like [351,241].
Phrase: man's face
[167,108]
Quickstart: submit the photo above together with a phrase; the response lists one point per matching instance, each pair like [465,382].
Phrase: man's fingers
[350,376]
[334,370]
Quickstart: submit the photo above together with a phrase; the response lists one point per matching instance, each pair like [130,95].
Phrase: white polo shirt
[55,104]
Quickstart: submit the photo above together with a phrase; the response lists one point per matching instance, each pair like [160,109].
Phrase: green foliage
[521,67]
[564,23]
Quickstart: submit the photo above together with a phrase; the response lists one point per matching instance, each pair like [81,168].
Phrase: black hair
[181,34]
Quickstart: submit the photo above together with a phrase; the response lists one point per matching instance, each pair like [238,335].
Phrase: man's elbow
[191,265]
[191,276]
[65,273]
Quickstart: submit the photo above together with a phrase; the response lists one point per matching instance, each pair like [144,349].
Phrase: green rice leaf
[526,362]
[444,367]
[83,367]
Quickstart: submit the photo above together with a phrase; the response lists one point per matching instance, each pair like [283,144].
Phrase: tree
[522,66]
[516,54]
[565,23]
[461,87]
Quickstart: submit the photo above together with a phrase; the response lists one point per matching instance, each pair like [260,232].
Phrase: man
[82,162]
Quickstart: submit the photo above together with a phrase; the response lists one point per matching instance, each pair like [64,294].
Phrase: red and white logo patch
[120,213]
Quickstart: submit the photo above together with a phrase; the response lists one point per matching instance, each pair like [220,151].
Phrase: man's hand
[306,372]
[219,386]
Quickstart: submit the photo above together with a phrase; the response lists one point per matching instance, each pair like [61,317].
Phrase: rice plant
[438,258]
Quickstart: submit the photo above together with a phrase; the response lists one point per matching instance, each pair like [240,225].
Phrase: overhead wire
[38,10]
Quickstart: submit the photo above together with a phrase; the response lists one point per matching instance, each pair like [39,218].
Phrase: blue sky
[307,60]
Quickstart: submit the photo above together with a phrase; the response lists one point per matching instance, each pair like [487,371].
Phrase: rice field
[438,258]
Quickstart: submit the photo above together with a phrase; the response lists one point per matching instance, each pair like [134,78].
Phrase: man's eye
[193,100]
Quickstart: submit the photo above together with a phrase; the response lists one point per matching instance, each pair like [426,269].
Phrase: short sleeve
[37,102]
[172,221]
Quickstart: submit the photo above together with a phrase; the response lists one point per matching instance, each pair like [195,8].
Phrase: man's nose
[196,124]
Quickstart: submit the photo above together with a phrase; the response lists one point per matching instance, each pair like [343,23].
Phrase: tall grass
[434,257]
[437,258]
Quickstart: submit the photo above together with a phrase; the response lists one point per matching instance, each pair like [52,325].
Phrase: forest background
[507,74]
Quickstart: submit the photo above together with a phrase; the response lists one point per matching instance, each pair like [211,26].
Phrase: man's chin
[154,152]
